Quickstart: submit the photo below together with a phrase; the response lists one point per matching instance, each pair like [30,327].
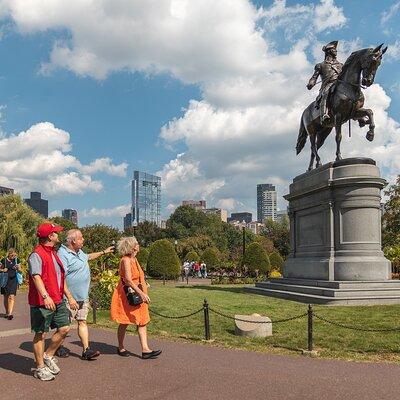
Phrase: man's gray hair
[71,235]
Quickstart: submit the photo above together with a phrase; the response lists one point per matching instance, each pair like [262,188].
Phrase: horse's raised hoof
[361,123]
[370,136]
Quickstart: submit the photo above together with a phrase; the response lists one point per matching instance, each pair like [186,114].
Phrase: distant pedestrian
[131,281]
[203,270]
[46,297]
[77,276]
[10,266]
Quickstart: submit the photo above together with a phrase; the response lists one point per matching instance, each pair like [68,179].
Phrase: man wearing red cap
[46,298]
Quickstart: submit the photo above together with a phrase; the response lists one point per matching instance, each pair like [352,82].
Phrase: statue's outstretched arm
[313,79]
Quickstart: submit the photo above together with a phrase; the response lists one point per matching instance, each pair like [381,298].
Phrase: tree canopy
[18,224]
[278,232]
[163,260]
[256,259]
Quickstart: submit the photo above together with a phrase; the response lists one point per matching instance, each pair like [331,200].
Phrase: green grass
[288,337]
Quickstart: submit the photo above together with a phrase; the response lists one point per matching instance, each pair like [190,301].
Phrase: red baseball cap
[47,229]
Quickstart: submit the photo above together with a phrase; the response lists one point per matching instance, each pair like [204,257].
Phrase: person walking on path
[46,298]
[10,265]
[77,276]
[131,279]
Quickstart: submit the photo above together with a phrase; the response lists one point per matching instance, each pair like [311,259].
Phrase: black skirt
[12,284]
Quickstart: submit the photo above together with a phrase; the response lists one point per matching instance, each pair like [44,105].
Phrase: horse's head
[370,64]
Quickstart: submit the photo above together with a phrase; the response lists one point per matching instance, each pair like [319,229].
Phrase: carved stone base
[335,225]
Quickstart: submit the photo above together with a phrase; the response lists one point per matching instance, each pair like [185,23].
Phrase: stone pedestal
[335,225]
[253,329]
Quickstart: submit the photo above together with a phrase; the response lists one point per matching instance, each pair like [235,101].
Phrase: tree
[142,257]
[193,243]
[163,262]
[192,256]
[66,224]
[256,260]
[148,232]
[276,261]
[99,236]
[391,217]
[211,257]
[18,225]
[279,233]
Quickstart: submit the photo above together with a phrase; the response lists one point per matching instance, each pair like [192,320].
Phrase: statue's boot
[324,112]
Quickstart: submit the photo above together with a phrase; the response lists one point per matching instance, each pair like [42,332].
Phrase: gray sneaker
[44,374]
[51,364]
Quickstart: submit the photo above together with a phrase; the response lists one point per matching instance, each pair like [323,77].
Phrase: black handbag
[133,298]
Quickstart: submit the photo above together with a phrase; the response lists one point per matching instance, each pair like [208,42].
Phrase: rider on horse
[329,70]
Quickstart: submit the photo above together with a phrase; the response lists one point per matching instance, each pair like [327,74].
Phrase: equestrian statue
[340,98]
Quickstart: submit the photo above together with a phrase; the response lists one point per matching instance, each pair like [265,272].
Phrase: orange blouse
[121,311]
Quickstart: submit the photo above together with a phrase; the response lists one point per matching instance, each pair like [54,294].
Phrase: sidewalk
[189,371]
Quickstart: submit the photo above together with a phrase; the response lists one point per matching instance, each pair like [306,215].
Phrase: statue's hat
[330,45]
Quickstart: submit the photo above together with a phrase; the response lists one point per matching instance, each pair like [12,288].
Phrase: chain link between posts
[258,322]
[355,328]
[176,316]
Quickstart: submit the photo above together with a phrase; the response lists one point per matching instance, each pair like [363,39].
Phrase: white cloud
[328,15]
[55,213]
[119,211]
[393,51]
[39,159]
[243,130]
[105,165]
[389,14]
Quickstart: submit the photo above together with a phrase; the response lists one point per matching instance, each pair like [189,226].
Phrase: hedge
[163,262]
[256,260]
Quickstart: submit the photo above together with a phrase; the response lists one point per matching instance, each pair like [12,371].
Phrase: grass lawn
[288,337]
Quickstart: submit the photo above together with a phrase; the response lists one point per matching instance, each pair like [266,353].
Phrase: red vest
[49,277]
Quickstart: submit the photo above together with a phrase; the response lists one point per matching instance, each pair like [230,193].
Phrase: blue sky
[207,95]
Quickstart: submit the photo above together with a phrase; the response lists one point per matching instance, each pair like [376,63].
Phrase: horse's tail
[302,138]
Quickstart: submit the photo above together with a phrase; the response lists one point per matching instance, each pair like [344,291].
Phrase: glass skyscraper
[266,202]
[146,198]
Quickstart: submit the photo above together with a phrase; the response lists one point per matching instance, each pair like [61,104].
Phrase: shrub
[103,290]
[211,257]
[256,260]
[192,256]
[276,261]
[163,260]
[142,257]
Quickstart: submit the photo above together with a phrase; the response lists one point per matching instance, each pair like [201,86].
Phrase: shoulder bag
[133,298]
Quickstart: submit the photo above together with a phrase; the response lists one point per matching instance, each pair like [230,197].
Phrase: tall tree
[278,232]
[18,224]
[148,232]
[391,217]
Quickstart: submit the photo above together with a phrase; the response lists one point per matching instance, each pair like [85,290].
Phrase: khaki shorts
[83,311]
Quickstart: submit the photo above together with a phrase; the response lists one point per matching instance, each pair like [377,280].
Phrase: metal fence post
[206,320]
[94,306]
[310,328]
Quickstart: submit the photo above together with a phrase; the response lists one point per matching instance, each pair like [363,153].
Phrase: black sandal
[123,353]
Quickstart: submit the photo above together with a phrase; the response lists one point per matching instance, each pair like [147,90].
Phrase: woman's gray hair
[71,235]
[126,245]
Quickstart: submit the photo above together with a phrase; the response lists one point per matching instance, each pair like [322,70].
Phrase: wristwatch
[45,296]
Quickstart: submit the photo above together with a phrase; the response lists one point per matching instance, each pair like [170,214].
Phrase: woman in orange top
[132,276]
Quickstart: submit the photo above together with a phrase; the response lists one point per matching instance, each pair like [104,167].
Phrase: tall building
[223,214]
[197,205]
[5,190]
[70,215]
[241,216]
[41,206]
[266,202]
[281,215]
[127,221]
[146,198]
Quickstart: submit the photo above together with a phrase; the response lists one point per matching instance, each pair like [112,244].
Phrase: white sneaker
[44,374]
[51,363]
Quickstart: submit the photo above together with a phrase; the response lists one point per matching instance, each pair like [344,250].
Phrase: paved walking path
[186,371]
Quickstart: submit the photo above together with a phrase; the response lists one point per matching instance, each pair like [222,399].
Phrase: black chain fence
[206,309]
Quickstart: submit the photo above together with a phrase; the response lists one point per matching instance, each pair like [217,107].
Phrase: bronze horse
[345,102]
